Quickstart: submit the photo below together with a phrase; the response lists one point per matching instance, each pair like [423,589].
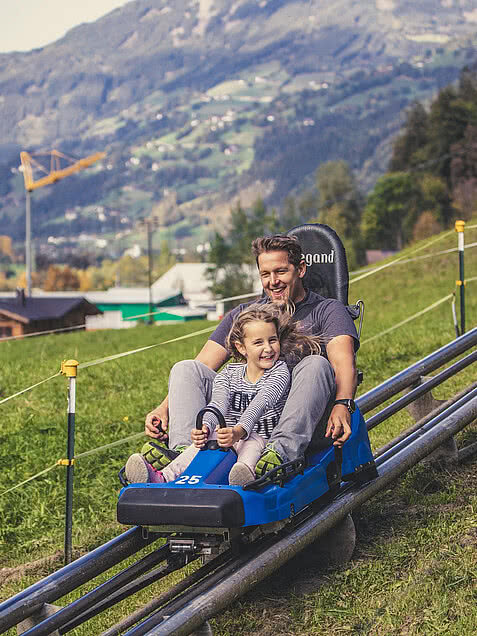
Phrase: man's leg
[306,409]
[190,389]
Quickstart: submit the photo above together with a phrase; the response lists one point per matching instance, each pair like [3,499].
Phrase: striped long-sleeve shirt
[255,406]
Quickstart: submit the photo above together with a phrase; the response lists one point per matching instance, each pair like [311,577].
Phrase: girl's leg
[250,449]
[180,463]
[248,454]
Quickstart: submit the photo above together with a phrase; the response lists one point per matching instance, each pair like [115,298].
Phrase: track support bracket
[45,611]
[447,453]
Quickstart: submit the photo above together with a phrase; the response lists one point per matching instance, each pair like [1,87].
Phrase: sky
[29,24]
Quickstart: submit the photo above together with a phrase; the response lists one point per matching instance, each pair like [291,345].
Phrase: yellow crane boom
[56,172]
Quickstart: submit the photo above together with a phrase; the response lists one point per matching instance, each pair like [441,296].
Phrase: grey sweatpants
[303,419]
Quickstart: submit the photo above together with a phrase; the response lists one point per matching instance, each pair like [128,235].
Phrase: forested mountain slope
[199,102]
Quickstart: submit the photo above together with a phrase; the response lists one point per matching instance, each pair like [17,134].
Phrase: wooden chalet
[22,315]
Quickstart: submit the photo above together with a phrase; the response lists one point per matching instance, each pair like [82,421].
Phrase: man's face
[281,280]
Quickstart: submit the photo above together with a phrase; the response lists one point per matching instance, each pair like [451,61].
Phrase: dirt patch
[469,540]
[38,568]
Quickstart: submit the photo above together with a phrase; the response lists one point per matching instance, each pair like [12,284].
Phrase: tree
[407,148]
[448,119]
[297,211]
[339,198]
[340,205]
[464,173]
[61,279]
[391,211]
[231,258]
[435,198]
[85,280]
[164,261]
[290,215]
[21,280]
[426,226]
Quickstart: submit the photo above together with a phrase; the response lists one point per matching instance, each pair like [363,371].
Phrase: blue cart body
[201,496]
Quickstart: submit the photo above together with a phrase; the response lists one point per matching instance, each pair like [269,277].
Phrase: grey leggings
[303,419]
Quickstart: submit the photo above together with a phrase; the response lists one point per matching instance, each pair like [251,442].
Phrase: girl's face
[260,346]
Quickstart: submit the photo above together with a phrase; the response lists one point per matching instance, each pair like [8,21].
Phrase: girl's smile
[260,346]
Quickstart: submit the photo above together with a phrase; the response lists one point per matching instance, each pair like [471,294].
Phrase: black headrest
[325,257]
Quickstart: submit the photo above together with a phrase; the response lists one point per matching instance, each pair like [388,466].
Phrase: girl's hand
[199,438]
[226,437]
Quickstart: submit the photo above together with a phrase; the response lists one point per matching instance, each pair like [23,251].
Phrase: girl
[251,394]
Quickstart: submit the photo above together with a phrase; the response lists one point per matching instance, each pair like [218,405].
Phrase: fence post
[69,368]
[459,228]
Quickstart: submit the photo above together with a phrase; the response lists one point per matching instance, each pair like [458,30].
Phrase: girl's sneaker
[139,471]
[240,474]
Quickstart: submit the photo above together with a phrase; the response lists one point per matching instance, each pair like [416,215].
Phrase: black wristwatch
[350,404]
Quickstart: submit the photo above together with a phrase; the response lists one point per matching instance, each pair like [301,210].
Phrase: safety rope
[112,357]
[403,322]
[43,472]
[115,356]
[42,333]
[66,462]
[29,388]
[401,258]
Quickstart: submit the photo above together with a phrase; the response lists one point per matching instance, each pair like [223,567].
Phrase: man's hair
[279,243]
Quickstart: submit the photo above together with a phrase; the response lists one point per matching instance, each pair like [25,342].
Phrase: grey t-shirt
[321,316]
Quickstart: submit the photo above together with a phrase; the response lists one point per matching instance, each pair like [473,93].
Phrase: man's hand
[226,437]
[157,422]
[339,425]
[199,437]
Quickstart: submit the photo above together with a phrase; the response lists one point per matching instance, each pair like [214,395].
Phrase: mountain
[201,102]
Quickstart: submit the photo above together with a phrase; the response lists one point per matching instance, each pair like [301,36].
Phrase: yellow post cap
[69,368]
[459,226]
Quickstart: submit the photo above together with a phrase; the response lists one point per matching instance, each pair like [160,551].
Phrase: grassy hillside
[413,566]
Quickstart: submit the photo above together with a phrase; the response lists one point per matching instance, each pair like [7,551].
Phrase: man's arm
[340,352]
[212,355]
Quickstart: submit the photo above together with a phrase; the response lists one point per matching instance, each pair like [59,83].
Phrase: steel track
[201,595]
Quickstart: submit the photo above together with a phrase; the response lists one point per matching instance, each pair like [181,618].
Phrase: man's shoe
[158,455]
[139,471]
[240,474]
[270,459]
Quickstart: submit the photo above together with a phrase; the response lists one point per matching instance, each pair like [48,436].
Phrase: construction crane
[53,173]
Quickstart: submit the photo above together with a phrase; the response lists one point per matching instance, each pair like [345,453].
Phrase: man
[320,399]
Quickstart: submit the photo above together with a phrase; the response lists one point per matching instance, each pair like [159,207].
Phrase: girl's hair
[294,343]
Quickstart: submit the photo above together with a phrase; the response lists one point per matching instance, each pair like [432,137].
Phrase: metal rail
[420,390]
[226,591]
[72,576]
[409,376]
[208,590]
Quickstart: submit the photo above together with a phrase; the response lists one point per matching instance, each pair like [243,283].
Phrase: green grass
[414,567]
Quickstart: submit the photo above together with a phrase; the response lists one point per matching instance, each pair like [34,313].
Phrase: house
[124,307]
[192,280]
[21,315]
